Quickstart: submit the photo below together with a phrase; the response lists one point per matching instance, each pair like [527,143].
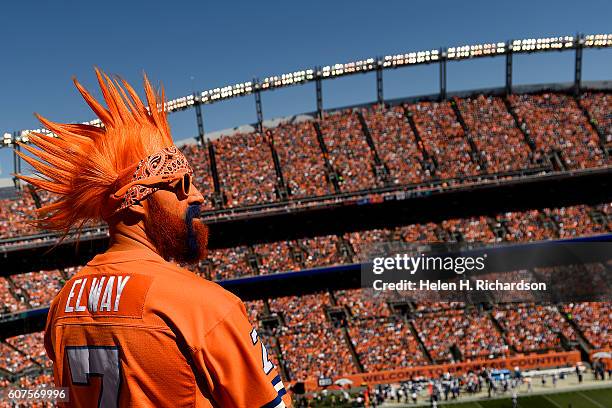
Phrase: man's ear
[137,209]
[132,215]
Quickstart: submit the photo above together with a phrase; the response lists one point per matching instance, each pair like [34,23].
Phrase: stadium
[294,205]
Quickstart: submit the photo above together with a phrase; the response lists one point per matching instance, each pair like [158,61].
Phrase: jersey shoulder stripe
[275,403]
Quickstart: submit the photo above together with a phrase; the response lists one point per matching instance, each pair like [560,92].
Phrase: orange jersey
[132,330]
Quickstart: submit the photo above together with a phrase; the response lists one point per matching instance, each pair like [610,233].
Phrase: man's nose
[195,197]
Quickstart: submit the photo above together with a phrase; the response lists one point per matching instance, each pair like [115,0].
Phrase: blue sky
[196,45]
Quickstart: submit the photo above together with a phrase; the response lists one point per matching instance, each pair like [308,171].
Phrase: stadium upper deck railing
[317,74]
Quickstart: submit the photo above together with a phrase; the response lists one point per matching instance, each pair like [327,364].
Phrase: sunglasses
[178,182]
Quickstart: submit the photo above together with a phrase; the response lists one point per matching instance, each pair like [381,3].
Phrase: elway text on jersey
[104,294]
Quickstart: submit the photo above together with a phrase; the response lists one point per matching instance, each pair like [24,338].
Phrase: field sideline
[587,398]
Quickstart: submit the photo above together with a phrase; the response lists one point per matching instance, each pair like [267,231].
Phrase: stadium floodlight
[292,78]
[411,58]
[337,70]
[526,45]
[95,122]
[180,103]
[598,40]
[475,51]
[24,136]
[226,92]
[543,44]
[7,139]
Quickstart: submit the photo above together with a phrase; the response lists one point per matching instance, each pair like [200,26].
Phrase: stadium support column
[379,81]
[319,87]
[443,73]
[199,118]
[508,67]
[578,65]
[16,163]
[258,107]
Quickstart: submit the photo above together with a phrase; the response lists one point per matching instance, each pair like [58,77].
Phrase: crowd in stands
[34,380]
[396,144]
[606,211]
[320,351]
[306,253]
[271,344]
[385,344]
[579,281]
[599,107]
[301,312]
[514,296]
[524,226]
[367,243]
[555,122]
[203,179]
[382,339]
[300,158]
[322,251]
[364,304]
[12,360]
[247,176]
[229,263]
[421,233]
[246,169]
[276,257]
[444,139]
[70,271]
[471,332]
[11,303]
[495,134]
[15,216]
[254,308]
[40,286]
[594,321]
[438,306]
[473,229]
[349,153]
[531,327]
[308,341]
[309,344]
[575,221]
[32,347]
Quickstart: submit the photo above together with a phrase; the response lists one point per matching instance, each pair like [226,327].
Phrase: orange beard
[183,240]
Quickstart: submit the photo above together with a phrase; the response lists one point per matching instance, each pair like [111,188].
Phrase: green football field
[597,398]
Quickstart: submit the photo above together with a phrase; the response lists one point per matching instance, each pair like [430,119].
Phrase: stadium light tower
[579,42]
[319,87]
[16,162]
[508,67]
[379,80]
[7,139]
[425,57]
[258,105]
[199,118]
[442,73]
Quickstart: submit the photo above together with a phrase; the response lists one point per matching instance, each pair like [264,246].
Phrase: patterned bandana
[162,167]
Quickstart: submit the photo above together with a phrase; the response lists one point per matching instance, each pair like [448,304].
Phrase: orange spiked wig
[85,164]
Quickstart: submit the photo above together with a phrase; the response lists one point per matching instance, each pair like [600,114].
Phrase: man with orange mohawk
[132,328]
